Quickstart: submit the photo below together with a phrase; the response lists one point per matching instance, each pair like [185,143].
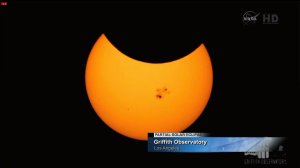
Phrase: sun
[134,97]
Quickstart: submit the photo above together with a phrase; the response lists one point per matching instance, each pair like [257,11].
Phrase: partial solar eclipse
[134,97]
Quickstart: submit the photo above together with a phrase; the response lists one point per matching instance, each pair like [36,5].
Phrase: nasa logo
[250,17]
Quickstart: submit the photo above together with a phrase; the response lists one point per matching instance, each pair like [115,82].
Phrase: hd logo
[252,17]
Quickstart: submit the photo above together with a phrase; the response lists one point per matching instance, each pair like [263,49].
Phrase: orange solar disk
[134,97]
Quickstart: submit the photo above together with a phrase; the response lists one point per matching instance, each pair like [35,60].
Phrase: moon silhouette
[134,97]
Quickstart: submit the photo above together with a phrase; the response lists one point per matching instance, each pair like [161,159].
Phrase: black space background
[48,119]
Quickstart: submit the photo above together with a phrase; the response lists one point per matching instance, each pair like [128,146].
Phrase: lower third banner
[200,142]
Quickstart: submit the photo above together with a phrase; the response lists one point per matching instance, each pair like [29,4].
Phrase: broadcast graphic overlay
[202,142]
